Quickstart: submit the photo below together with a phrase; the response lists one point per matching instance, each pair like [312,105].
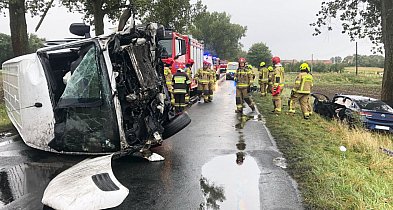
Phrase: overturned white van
[94,95]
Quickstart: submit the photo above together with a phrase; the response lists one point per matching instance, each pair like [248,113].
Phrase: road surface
[220,161]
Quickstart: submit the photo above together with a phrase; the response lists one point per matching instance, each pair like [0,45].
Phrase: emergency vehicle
[173,43]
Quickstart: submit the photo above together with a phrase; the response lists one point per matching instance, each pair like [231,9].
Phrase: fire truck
[174,44]
[218,65]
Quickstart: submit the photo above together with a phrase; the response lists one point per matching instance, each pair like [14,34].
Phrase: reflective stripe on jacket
[244,77]
[203,76]
[303,83]
[180,82]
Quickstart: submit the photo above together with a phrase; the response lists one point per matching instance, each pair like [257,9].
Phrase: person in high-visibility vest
[278,84]
[302,91]
[270,79]
[168,76]
[244,78]
[189,65]
[181,83]
[212,83]
[203,78]
[263,78]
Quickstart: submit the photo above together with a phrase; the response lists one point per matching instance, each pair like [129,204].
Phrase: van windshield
[232,66]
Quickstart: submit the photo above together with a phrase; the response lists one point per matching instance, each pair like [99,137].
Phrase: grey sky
[282,24]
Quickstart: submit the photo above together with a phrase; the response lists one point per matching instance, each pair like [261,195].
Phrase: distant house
[319,61]
[283,62]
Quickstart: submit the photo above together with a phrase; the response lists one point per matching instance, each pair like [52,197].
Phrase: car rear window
[374,105]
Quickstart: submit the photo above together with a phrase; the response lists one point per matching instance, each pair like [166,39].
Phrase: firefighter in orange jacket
[203,78]
[244,78]
[181,88]
[278,84]
[302,91]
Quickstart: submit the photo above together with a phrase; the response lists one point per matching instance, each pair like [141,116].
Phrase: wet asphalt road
[217,162]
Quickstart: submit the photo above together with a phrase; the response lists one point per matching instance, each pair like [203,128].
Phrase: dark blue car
[375,114]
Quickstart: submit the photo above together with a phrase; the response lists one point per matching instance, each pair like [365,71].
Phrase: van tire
[176,125]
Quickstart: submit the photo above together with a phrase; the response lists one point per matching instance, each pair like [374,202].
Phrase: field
[360,178]
[364,70]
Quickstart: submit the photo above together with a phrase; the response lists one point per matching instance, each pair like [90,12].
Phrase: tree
[360,19]
[221,37]
[17,10]
[6,48]
[259,52]
[336,59]
[175,14]
[6,53]
[95,10]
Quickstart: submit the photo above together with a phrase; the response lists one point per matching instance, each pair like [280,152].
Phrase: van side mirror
[80,29]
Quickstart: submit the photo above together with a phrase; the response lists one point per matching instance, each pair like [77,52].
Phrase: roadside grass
[5,123]
[360,178]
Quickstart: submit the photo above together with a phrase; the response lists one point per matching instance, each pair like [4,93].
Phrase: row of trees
[6,52]
[221,37]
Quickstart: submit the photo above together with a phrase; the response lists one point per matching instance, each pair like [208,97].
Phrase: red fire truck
[174,44]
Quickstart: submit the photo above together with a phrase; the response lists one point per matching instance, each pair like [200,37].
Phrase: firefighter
[168,73]
[202,77]
[189,65]
[212,83]
[302,91]
[263,78]
[243,78]
[270,77]
[181,83]
[278,84]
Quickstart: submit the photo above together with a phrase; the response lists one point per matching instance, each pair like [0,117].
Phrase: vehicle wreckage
[93,95]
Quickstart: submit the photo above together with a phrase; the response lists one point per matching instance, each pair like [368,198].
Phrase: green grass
[5,123]
[362,178]
[364,70]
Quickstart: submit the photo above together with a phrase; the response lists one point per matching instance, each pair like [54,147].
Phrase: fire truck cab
[175,44]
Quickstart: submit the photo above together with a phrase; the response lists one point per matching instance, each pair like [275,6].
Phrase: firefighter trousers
[180,101]
[304,100]
[263,88]
[241,97]
[203,90]
[277,103]
[211,90]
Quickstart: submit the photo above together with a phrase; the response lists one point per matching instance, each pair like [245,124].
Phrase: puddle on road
[23,179]
[231,182]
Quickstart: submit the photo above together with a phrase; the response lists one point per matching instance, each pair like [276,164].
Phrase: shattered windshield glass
[85,116]
[374,106]
[83,85]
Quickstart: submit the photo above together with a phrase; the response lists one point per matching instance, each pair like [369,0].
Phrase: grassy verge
[5,123]
[360,178]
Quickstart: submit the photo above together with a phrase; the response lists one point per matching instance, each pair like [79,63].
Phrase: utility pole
[312,62]
[356,59]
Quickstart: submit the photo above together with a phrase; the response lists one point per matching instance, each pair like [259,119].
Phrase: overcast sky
[283,25]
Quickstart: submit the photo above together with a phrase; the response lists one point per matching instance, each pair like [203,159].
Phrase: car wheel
[177,124]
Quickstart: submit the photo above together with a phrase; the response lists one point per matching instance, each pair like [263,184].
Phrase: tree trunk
[98,17]
[18,27]
[387,33]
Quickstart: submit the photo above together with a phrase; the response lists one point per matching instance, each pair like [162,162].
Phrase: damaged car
[94,95]
[372,113]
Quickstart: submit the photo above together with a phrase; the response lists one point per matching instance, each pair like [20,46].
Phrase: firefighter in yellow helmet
[302,91]
[270,79]
[244,78]
[278,84]
[212,83]
[263,78]
[202,76]
[181,83]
